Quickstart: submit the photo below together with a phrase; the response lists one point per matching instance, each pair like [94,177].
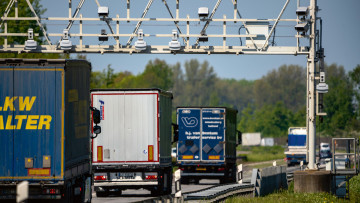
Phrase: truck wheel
[233,174]
[81,196]
[223,180]
[155,192]
[168,189]
[118,193]
[102,193]
[68,196]
[184,180]
[196,181]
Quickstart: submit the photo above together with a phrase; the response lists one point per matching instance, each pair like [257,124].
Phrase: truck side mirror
[96,116]
[176,132]
[239,139]
[96,119]
[97,129]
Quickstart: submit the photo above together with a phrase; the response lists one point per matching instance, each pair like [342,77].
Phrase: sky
[341,33]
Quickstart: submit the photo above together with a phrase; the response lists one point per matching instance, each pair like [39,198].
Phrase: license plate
[126,176]
[200,169]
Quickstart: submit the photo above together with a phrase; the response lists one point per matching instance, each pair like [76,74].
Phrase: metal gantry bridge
[256,43]
[188,35]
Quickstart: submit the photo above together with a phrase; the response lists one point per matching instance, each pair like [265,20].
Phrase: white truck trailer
[134,149]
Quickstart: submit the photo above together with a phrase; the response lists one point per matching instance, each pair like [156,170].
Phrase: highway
[143,195]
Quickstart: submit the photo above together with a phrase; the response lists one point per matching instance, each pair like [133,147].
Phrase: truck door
[6,133]
[188,148]
[213,131]
[129,123]
[38,146]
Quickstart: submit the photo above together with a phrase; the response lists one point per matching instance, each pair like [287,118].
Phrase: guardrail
[268,180]
[264,181]
[221,192]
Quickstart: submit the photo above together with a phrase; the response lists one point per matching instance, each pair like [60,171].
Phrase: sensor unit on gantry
[140,44]
[30,43]
[302,27]
[103,11]
[302,11]
[203,12]
[174,44]
[65,43]
[103,36]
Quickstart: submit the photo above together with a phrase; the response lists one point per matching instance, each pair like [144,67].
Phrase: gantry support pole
[311,68]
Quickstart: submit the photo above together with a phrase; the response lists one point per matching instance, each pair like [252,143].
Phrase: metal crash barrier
[344,164]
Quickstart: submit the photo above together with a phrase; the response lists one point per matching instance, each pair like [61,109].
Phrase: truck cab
[296,151]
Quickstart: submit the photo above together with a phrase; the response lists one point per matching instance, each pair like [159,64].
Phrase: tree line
[269,105]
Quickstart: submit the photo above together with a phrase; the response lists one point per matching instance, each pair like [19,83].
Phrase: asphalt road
[141,195]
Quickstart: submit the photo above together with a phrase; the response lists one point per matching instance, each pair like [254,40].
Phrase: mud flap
[88,192]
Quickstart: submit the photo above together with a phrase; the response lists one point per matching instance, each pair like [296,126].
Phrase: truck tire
[222,180]
[184,180]
[81,196]
[233,174]
[102,193]
[168,189]
[118,193]
[155,192]
[68,195]
[196,181]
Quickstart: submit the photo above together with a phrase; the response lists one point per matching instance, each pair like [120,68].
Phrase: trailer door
[30,131]
[213,134]
[130,127]
[189,121]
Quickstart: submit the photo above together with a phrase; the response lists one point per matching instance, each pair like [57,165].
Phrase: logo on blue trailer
[102,104]
[190,122]
[13,118]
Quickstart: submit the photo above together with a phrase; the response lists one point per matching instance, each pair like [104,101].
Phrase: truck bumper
[203,171]
[8,191]
[104,186]
[295,160]
[203,175]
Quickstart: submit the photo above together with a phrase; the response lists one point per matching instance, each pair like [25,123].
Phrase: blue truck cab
[207,140]
[44,128]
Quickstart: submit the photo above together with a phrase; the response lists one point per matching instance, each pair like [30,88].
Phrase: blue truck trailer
[207,140]
[296,151]
[44,128]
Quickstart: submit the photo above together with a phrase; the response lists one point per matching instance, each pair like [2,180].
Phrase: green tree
[14,26]
[286,84]
[200,80]
[247,119]
[338,101]
[157,74]
[104,79]
[270,120]
[235,93]
[355,79]
[178,85]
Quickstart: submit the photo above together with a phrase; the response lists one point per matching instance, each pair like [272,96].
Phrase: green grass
[290,196]
[259,153]
[264,165]
[355,189]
